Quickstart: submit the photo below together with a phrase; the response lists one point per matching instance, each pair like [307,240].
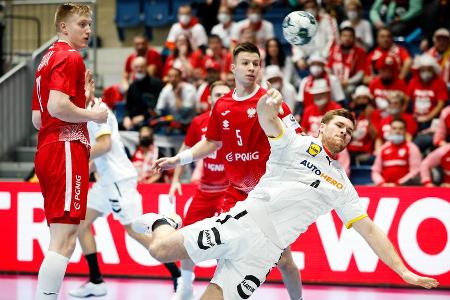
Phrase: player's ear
[322,127]
[233,68]
[63,27]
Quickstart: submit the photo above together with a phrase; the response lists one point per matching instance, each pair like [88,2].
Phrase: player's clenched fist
[100,112]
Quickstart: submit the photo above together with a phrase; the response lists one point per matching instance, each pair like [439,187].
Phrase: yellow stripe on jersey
[350,223]
[277,137]
[101,133]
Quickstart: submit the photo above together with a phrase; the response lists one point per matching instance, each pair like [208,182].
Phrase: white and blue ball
[299,27]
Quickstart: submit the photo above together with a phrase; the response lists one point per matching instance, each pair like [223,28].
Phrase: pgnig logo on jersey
[314,149]
[230,157]
[77,190]
[247,286]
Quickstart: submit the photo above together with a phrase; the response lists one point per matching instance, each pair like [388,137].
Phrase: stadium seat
[361,175]
[128,14]
[159,13]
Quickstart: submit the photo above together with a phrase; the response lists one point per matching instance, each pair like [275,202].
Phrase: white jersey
[114,165]
[302,182]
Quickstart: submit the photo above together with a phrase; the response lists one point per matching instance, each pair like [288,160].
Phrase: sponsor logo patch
[314,149]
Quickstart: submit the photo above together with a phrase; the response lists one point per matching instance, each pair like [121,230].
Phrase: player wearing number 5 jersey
[234,128]
[62,86]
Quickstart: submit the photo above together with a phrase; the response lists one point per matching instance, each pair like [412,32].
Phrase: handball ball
[299,27]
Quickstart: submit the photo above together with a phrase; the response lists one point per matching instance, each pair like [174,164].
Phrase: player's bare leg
[291,275]
[212,292]
[53,267]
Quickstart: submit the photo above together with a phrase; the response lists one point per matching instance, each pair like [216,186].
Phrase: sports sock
[51,275]
[94,271]
[187,277]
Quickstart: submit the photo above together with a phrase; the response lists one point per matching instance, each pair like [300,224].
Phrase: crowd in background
[382,61]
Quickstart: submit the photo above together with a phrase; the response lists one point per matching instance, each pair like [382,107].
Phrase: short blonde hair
[64,11]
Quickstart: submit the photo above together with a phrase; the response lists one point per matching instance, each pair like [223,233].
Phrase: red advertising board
[417,220]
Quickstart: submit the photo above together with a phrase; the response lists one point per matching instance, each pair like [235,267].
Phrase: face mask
[396,138]
[315,70]
[254,18]
[139,75]
[393,111]
[321,102]
[145,141]
[360,108]
[381,103]
[426,75]
[223,18]
[184,19]
[352,15]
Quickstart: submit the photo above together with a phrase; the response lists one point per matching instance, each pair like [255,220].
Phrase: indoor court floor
[21,287]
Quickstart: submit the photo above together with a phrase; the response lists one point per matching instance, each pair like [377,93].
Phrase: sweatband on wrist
[186,157]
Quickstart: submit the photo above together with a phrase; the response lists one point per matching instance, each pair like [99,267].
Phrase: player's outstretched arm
[382,247]
[268,108]
[198,151]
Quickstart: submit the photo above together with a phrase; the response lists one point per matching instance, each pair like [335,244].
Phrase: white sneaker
[90,289]
[144,223]
[183,292]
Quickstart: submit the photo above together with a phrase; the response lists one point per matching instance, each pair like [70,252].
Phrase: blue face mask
[396,138]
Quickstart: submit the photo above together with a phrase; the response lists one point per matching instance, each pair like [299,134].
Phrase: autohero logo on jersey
[247,286]
[323,175]
[205,238]
[249,156]
[314,149]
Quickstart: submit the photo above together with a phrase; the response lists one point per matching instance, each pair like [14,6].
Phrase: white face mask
[321,102]
[315,70]
[426,75]
[224,18]
[396,138]
[139,75]
[352,15]
[254,18]
[381,103]
[184,19]
[393,111]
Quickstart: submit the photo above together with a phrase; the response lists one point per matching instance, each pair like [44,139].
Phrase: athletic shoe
[144,223]
[90,289]
[184,292]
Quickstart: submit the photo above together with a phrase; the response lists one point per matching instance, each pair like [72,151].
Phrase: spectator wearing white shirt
[225,26]
[274,75]
[363,29]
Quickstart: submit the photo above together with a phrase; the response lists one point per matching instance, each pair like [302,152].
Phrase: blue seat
[159,13]
[128,14]
[361,175]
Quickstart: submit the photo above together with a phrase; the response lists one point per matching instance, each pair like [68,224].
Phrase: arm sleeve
[414,163]
[432,160]
[415,9]
[214,125]
[283,140]
[351,209]
[200,35]
[191,136]
[377,178]
[441,130]
[374,11]
[63,76]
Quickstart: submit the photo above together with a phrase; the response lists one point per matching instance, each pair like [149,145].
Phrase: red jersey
[344,65]
[222,64]
[195,59]
[153,58]
[361,139]
[61,69]
[246,147]
[395,161]
[400,54]
[426,96]
[380,90]
[312,117]
[385,125]
[214,178]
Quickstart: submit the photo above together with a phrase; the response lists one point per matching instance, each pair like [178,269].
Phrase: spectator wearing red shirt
[362,144]
[386,47]
[428,95]
[398,161]
[386,81]
[144,156]
[153,58]
[441,52]
[442,134]
[395,110]
[439,157]
[347,60]
[217,57]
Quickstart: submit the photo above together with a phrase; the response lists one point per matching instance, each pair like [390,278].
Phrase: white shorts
[121,198]
[245,254]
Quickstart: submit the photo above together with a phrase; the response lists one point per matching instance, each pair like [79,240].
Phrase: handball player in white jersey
[302,182]
[114,192]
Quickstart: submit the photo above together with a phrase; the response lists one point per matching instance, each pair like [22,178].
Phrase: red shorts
[204,205]
[231,196]
[63,172]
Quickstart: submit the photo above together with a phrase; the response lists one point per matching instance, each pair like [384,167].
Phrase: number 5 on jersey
[239,138]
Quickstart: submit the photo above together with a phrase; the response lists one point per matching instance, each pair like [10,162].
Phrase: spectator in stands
[398,160]
[142,96]
[153,59]
[176,104]
[184,58]
[217,57]
[229,80]
[387,80]
[190,27]
[347,61]
[362,144]
[395,110]
[428,95]
[318,73]
[400,16]
[262,28]
[441,52]
[363,29]
[327,33]
[386,47]
[439,157]
[203,91]
[275,55]
[437,11]
[273,74]
[144,156]
[442,134]
[225,26]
